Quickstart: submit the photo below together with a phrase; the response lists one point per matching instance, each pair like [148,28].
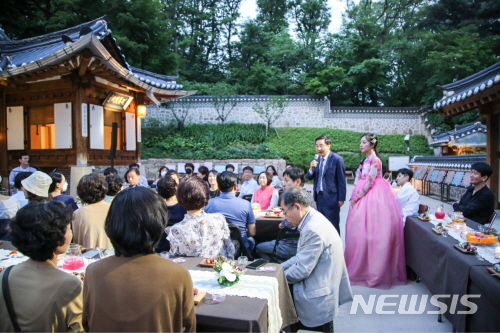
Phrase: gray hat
[38,183]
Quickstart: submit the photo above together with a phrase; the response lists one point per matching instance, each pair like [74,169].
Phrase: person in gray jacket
[317,272]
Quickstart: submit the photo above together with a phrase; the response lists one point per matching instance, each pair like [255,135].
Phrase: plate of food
[424,217]
[208,262]
[466,248]
[273,215]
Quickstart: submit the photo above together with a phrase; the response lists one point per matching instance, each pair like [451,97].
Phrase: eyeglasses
[288,209]
[321,146]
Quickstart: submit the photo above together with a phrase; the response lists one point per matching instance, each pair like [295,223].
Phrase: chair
[239,247]
[284,233]
[349,175]
[446,184]
[491,219]
[466,180]
[423,208]
[247,197]
[388,176]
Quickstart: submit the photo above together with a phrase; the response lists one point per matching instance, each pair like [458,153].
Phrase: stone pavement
[358,321]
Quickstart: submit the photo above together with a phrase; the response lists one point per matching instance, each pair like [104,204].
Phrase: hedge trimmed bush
[238,141]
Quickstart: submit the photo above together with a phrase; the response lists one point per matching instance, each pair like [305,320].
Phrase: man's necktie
[320,170]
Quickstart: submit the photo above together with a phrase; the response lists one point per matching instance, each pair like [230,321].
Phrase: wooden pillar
[491,112]
[3,138]
[80,142]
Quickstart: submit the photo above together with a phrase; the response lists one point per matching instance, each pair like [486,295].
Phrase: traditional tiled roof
[449,162]
[46,51]
[466,88]
[374,109]
[459,132]
[252,98]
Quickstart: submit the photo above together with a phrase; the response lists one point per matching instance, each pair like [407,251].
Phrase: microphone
[316,159]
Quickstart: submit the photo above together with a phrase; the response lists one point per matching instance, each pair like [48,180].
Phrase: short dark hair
[92,188]
[56,179]
[406,171]
[248,168]
[483,168]
[21,154]
[21,176]
[109,171]
[289,165]
[134,165]
[229,166]
[115,184]
[193,193]
[161,168]
[204,171]
[137,172]
[293,195]
[275,173]
[226,181]
[135,221]
[173,172]
[39,228]
[191,165]
[166,187]
[294,174]
[268,177]
[327,139]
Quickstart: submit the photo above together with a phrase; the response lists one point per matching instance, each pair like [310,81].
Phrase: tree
[180,108]
[328,82]
[272,109]
[223,100]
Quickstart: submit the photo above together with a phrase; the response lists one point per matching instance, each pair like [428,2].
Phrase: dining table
[240,313]
[448,271]
[266,227]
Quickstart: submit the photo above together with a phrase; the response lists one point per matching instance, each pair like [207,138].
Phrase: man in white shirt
[19,196]
[143,181]
[408,197]
[24,160]
[249,184]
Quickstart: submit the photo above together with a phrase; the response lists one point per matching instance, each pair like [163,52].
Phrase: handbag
[8,300]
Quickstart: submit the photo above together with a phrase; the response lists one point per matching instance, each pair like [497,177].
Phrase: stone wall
[149,168]
[306,111]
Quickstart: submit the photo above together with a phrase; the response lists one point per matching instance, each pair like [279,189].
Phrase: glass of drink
[73,258]
[440,214]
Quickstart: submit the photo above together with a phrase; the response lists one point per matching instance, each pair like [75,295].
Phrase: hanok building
[467,139]
[66,95]
[481,91]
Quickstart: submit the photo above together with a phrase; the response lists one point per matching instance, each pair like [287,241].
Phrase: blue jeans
[283,251]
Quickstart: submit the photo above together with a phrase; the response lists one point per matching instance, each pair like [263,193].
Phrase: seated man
[407,196]
[235,210]
[249,184]
[24,160]
[230,167]
[318,271]
[19,196]
[478,202]
[287,246]
[143,181]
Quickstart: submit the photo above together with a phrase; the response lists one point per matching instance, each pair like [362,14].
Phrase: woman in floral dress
[374,252]
[199,234]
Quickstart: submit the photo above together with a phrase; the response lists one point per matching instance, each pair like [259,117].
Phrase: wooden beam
[80,142]
[85,58]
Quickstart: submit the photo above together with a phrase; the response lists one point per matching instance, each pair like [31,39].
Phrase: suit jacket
[334,182]
[318,271]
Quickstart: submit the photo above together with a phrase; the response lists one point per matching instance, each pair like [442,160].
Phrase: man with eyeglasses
[328,172]
[317,272]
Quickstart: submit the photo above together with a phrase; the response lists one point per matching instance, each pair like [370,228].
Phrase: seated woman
[88,222]
[161,173]
[44,298]
[145,292]
[267,196]
[212,181]
[133,177]
[115,184]
[200,234]
[59,185]
[166,188]
[276,183]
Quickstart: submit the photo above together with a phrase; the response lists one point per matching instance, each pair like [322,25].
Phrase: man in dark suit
[328,172]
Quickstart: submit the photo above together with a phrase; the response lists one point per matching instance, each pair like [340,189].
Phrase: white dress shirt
[248,187]
[409,199]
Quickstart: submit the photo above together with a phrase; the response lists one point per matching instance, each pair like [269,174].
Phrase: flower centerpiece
[227,272]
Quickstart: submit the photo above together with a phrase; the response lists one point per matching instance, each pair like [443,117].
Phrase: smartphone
[257,263]
[92,254]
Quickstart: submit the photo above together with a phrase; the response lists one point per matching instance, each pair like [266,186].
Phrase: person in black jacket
[478,202]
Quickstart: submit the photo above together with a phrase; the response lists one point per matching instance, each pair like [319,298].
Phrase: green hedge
[238,141]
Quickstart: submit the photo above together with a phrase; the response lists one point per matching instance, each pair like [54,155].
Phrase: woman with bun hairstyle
[374,252]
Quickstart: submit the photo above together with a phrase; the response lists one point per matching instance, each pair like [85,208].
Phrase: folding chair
[349,176]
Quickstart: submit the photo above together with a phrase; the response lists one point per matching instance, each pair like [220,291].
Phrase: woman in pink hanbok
[374,252]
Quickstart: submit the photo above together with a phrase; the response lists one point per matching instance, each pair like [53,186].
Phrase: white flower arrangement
[226,271]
